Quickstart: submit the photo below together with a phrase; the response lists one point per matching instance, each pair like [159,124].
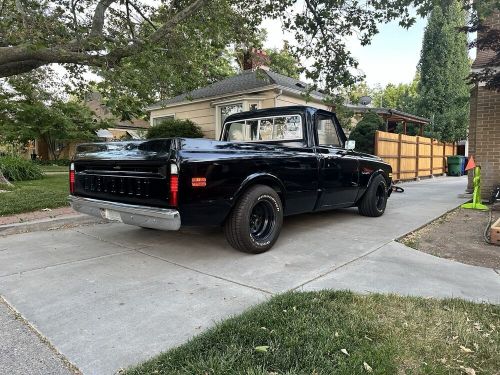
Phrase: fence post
[432,157]
[445,166]
[400,141]
[377,135]
[417,166]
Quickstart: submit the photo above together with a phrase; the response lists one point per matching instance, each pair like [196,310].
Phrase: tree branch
[129,22]
[138,10]
[170,25]
[98,19]
[22,12]
[24,58]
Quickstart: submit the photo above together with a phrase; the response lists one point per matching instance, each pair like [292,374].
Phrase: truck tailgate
[128,172]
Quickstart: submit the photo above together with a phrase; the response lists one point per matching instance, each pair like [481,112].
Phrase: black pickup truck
[268,164]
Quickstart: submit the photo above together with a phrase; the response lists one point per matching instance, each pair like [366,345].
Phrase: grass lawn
[343,333]
[49,192]
[55,168]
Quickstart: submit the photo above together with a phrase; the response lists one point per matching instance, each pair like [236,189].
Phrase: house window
[229,109]
[159,120]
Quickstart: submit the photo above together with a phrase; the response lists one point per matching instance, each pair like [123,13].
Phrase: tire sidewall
[380,182]
[271,238]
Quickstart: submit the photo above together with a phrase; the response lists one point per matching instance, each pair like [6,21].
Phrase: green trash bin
[455,165]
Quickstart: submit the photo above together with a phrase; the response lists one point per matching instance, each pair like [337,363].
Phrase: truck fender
[373,175]
[376,173]
[263,179]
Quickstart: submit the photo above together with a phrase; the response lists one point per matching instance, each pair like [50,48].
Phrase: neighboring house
[255,88]
[252,89]
[484,127]
[120,130]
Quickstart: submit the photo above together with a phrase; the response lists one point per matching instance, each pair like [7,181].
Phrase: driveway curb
[48,224]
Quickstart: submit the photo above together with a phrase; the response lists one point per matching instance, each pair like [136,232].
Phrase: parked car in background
[268,164]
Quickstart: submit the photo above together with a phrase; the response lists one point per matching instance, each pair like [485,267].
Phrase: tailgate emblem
[117,167]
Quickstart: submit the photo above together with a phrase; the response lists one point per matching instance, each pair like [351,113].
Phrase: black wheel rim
[380,195]
[262,220]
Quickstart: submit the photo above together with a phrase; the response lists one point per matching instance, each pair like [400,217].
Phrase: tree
[403,97]
[283,62]
[104,33]
[444,67]
[364,132]
[175,128]
[29,110]
[488,39]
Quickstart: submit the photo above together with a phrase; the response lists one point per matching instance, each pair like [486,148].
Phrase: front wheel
[255,222]
[375,199]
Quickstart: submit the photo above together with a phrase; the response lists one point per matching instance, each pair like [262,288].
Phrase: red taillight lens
[174,189]
[72,178]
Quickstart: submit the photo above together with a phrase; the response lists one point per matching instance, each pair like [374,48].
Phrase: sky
[392,57]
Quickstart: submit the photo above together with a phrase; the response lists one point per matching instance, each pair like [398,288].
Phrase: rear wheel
[374,201]
[254,224]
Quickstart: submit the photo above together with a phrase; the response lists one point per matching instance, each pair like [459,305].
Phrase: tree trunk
[3,180]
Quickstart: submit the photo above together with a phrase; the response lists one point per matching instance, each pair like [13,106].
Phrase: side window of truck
[327,132]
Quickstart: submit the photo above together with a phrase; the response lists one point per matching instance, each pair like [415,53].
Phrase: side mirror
[350,145]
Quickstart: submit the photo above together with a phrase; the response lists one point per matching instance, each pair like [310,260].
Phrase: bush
[175,128]
[18,169]
[364,132]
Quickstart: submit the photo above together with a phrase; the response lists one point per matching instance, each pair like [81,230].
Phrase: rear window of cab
[272,128]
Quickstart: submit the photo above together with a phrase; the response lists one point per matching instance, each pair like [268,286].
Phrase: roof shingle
[247,80]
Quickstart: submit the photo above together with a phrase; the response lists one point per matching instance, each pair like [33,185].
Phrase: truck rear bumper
[142,216]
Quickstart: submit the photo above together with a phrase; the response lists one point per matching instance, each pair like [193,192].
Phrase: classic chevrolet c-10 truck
[269,163]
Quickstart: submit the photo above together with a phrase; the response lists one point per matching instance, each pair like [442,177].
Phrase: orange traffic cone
[470,164]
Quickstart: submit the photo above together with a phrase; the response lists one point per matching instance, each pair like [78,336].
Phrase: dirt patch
[458,236]
[36,215]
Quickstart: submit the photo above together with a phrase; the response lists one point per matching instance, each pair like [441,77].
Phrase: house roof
[248,80]
[390,114]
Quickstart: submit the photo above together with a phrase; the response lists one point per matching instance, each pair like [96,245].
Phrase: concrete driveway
[110,295]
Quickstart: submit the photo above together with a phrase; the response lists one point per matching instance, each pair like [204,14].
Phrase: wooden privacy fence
[412,157]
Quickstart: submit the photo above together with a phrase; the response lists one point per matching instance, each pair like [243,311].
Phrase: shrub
[364,132]
[18,169]
[175,128]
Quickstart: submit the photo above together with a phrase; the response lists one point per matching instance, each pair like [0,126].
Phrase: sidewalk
[22,351]
[48,219]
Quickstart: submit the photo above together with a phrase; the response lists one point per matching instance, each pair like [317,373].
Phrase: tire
[374,201]
[254,224]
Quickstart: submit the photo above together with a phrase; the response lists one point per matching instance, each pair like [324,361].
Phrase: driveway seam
[65,263]
[205,273]
[340,266]
[67,363]
[109,242]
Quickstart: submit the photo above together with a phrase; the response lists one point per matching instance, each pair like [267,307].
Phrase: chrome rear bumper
[142,216]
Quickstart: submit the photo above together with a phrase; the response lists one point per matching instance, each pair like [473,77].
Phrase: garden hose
[398,189]
[485,233]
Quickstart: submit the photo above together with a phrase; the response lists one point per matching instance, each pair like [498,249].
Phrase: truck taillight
[72,178]
[174,185]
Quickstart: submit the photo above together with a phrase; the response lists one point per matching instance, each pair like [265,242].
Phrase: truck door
[339,170]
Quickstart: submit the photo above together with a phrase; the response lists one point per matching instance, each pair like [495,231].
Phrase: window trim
[225,129]
[172,115]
